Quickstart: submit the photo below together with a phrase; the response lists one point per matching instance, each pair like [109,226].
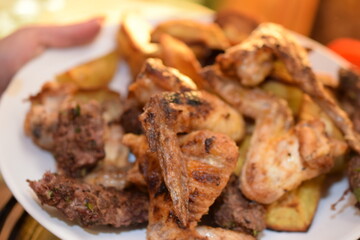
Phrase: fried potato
[243,149]
[279,72]
[177,54]
[295,210]
[133,40]
[92,75]
[291,94]
[192,32]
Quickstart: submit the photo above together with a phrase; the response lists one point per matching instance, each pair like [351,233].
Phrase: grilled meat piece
[42,118]
[79,138]
[233,211]
[153,78]
[91,205]
[353,173]
[348,94]
[130,119]
[209,159]
[170,113]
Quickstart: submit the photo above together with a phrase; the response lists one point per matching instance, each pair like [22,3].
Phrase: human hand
[26,43]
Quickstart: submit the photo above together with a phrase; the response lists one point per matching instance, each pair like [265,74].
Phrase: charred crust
[161,190]
[205,177]
[91,204]
[208,144]
[36,131]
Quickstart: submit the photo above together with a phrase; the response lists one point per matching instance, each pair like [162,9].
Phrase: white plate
[21,159]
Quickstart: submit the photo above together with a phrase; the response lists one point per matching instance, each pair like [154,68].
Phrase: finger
[69,35]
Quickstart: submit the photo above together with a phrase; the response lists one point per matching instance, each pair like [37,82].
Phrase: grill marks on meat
[208,168]
[91,205]
[153,78]
[171,113]
[233,211]
[79,138]
[208,172]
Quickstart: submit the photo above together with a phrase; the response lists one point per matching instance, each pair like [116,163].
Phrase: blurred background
[322,20]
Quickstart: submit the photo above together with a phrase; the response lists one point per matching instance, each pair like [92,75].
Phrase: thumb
[69,35]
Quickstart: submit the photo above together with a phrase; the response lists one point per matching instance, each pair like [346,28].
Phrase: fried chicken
[253,60]
[91,205]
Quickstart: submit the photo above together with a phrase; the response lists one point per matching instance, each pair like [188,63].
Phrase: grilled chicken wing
[171,113]
[281,154]
[253,60]
[208,160]
[153,78]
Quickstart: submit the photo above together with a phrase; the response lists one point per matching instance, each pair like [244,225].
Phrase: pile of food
[231,130]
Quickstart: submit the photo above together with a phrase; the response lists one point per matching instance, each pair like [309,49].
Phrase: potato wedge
[295,210]
[279,72]
[92,75]
[291,94]
[177,54]
[192,32]
[133,40]
[243,149]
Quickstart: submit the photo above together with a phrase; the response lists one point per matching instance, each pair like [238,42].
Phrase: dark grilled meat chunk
[89,204]
[79,138]
[349,94]
[353,172]
[233,211]
[130,120]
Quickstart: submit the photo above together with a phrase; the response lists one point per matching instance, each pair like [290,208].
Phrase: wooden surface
[337,19]
[297,15]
